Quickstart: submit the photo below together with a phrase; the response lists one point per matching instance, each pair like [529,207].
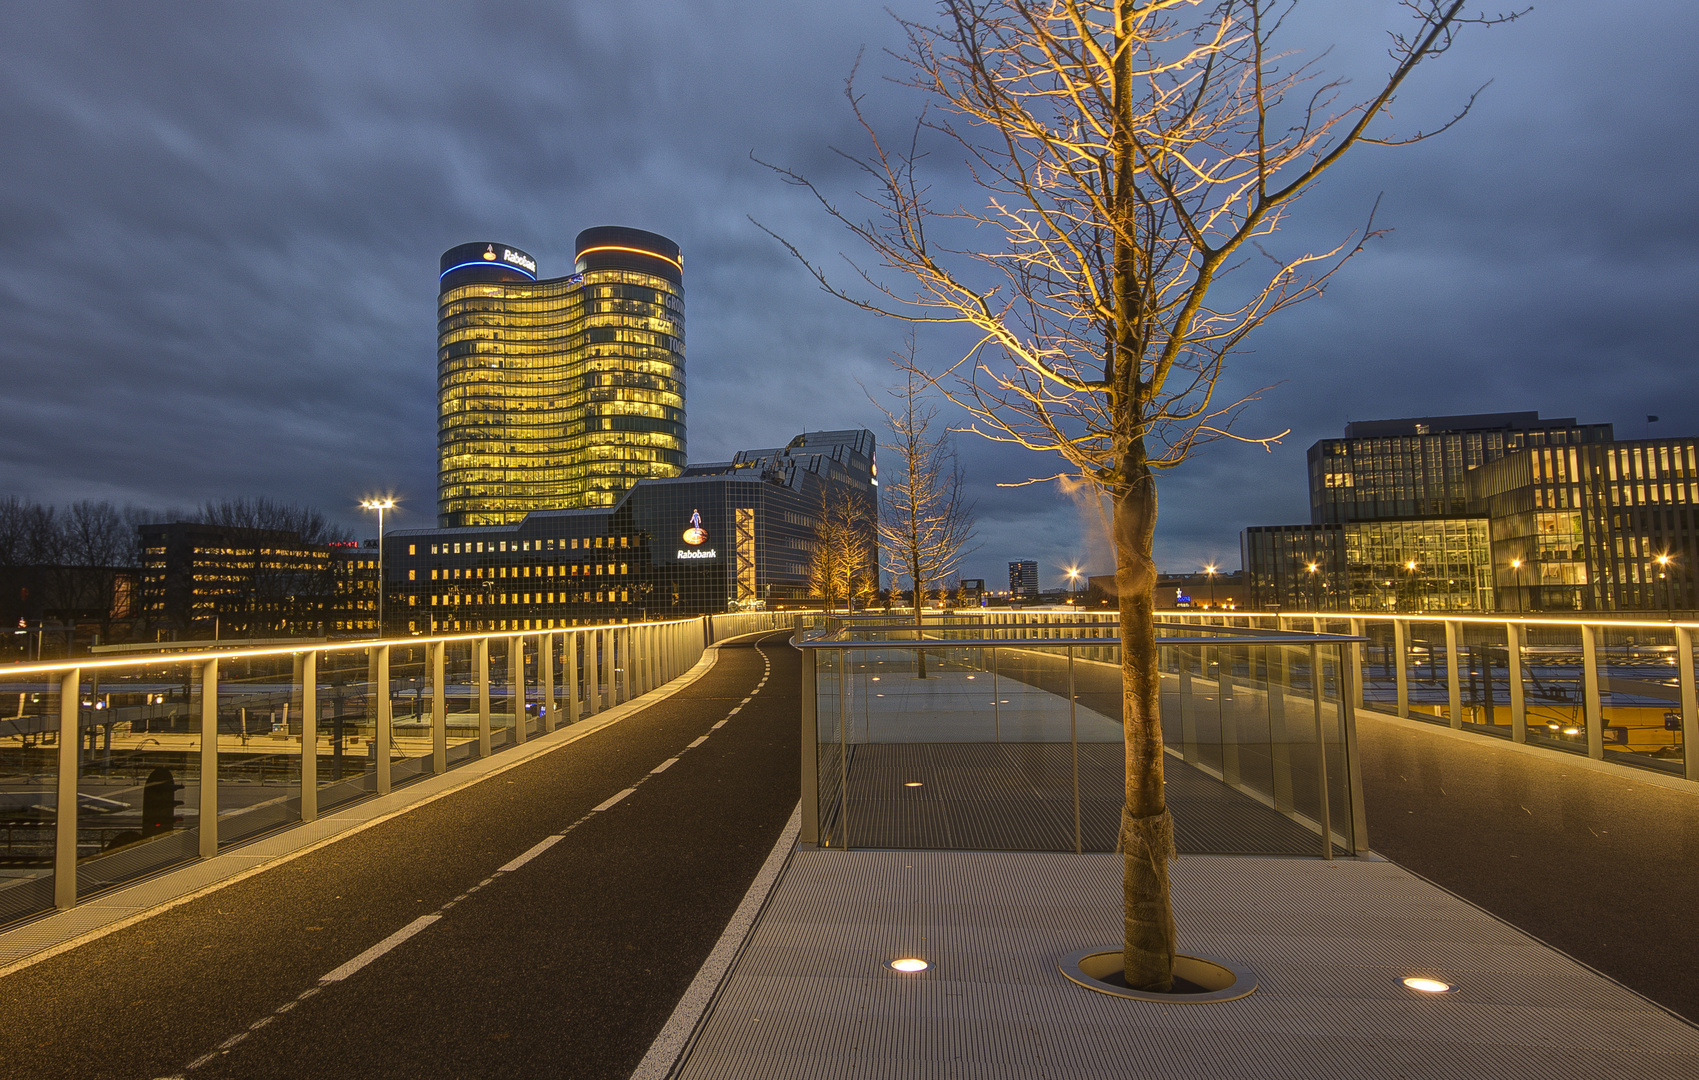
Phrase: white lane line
[699,741]
[233,1040]
[664,766]
[536,849]
[735,711]
[663,1053]
[610,802]
[379,949]
[717,726]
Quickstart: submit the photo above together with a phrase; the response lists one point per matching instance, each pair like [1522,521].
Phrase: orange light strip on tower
[636,251]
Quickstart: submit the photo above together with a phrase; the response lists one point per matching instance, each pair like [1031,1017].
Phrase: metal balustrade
[178,755]
[1004,732]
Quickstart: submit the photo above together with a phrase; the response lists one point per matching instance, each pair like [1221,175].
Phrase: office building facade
[1023,579]
[724,536]
[1597,527]
[1426,564]
[558,393]
[1418,467]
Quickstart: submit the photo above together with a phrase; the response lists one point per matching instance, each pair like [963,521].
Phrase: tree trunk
[919,631]
[1147,832]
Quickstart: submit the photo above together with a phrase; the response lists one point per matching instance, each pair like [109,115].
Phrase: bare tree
[925,520]
[844,543]
[262,513]
[1134,154]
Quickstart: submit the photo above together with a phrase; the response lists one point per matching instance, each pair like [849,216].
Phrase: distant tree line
[99,533]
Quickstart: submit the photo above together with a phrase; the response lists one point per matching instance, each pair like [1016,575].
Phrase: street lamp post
[1315,598]
[1663,562]
[1210,570]
[1410,576]
[1073,585]
[1516,565]
[380,505]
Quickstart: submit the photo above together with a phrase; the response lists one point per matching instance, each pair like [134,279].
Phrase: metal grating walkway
[810,996]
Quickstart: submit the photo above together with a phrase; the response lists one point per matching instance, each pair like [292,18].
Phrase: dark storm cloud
[219,227]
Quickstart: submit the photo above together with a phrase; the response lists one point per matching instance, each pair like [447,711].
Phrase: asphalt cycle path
[543,922]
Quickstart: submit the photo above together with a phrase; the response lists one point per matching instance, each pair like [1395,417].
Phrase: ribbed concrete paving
[811,995]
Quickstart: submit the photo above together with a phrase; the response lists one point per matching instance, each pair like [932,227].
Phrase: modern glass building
[1598,527]
[1430,564]
[724,536]
[1023,578]
[557,393]
[1417,467]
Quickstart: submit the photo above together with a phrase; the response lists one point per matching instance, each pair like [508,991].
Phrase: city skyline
[218,275]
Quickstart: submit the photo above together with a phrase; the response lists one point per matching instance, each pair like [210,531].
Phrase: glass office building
[558,393]
[724,536]
[1418,467]
[1431,564]
[1598,527]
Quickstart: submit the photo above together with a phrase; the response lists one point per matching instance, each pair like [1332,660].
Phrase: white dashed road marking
[376,951]
[609,804]
[664,766]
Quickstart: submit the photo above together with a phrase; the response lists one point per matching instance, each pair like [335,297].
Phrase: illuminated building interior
[559,393]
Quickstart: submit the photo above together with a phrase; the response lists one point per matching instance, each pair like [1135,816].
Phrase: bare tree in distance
[262,513]
[842,559]
[1134,154]
[925,519]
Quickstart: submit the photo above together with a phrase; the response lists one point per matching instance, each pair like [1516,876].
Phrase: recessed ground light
[970,678]
[909,964]
[912,783]
[1572,731]
[875,678]
[1428,986]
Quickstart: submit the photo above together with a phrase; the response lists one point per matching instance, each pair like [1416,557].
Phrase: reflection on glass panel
[346,720]
[1640,696]
[138,782]
[29,740]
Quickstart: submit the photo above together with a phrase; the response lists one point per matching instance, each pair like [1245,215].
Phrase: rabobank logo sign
[519,259]
[698,553]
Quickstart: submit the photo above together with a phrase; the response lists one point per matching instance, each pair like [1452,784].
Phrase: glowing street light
[1210,570]
[1073,583]
[1663,562]
[380,505]
[1516,565]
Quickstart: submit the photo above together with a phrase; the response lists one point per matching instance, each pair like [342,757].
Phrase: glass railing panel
[346,707]
[138,784]
[29,752]
[460,701]
[1552,687]
[948,750]
[409,713]
[259,763]
[505,692]
[1425,668]
[1380,683]
[1640,696]
[830,735]
[1483,669]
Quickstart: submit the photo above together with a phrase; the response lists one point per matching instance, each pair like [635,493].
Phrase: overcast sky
[220,223]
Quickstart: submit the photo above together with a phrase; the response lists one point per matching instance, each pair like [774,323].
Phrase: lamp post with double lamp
[380,505]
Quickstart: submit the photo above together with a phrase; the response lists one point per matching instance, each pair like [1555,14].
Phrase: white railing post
[209,760]
[611,697]
[1358,691]
[1590,709]
[569,668]
[1400,630]
[516,685]
[592,672]
[65,798]
[481,672]
[546,676]
[1689,716]
[307,664]
[439,709]
[378,693]
[627,661]
[1513,673]
[1453,683]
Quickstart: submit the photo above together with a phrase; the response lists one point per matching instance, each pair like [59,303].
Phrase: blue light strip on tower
[488,262]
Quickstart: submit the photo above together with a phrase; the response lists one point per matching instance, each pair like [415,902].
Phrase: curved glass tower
[557,394]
